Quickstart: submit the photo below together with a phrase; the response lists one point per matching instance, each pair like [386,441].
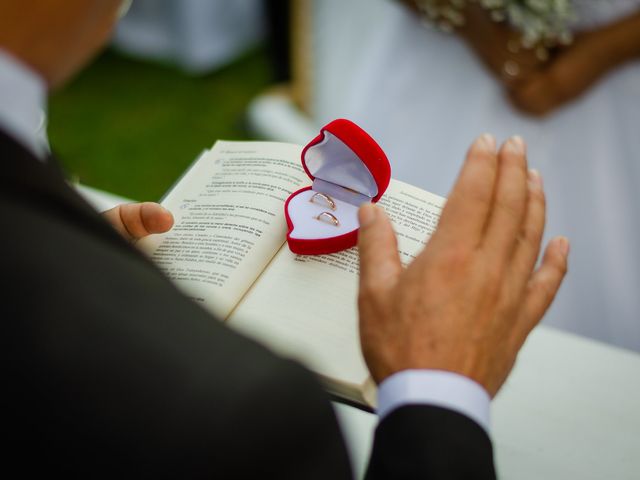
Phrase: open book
[227,251]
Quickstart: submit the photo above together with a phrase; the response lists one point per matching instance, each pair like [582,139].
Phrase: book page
[306,306]
[229,220]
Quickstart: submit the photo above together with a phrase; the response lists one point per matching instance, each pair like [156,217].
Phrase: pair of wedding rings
[325,217]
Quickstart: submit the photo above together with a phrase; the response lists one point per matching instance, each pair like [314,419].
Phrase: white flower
[543,23]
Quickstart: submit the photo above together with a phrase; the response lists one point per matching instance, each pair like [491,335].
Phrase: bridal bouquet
[544,22]
[541,22]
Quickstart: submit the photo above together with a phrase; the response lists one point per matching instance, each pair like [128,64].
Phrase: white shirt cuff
[438,388]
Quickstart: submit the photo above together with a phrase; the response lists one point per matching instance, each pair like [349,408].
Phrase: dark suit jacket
[110,372]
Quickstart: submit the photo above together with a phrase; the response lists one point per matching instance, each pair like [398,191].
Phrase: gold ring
[329,218]
[327,199]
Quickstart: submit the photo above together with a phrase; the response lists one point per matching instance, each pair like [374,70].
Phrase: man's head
[56,38]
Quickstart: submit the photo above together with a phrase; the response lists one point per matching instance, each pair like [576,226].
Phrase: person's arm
[436,424]
[624,39]
[464,306]
[579,66]
[493,43]
[537,86]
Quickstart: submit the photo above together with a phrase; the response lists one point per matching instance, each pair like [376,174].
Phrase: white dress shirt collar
[23,97]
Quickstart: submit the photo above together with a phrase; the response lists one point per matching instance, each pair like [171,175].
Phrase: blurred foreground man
[110,372]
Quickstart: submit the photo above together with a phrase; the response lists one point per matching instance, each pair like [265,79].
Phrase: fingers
[530,238]
[545,282]
[378,247]
[155,218]
[536,96]
[136,220]
[469,204]
[509,202]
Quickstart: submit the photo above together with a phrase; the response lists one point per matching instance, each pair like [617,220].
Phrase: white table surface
[569,410]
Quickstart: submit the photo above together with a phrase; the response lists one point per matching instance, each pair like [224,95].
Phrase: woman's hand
[537,86]
[495,44]
[499,47]
[137,220]
[578,67]
[572,72]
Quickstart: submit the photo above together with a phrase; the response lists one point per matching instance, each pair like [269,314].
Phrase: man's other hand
[137,220]
[467,303]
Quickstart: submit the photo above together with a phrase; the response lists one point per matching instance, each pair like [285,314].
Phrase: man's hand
[137,220]
[469,300]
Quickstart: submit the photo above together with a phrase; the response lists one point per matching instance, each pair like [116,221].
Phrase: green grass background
[132,127]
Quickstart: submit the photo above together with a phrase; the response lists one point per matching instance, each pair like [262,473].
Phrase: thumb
[155,218]
[379,260]
[137,220]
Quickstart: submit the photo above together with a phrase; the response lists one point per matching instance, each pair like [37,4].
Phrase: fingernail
[487,141]
[516,144]
[367,214]
[535,179]
[563,245]
[168,212]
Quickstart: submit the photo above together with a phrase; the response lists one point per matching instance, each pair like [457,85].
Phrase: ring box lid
[344,155]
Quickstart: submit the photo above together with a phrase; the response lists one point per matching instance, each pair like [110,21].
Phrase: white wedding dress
[424,96]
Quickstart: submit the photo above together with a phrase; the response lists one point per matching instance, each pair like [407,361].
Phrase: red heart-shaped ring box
[348,168]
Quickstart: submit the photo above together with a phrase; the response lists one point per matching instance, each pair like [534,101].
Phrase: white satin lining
[302,213]
[334,162]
